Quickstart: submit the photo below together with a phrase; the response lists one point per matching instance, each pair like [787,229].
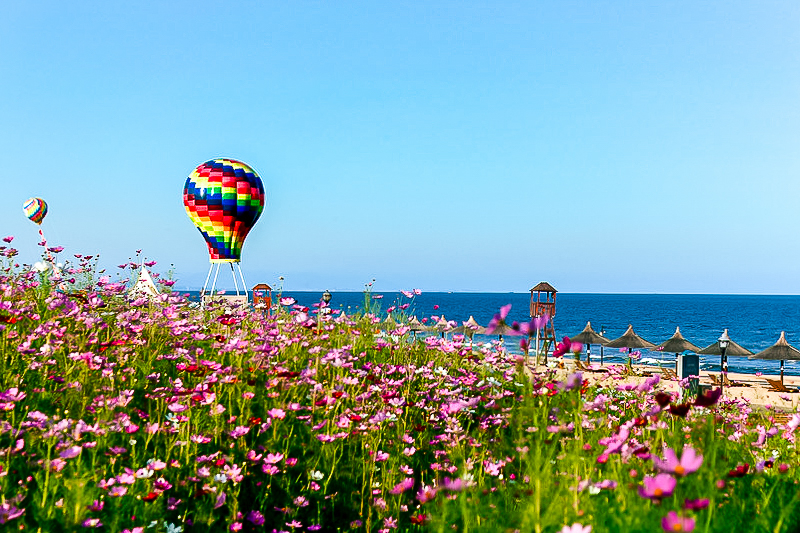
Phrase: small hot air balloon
[224,199]
[35,209]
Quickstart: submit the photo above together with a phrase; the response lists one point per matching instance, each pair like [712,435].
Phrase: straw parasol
[441,326]
[588,337]
[630,340]
[781,350]
[469,328]
[388,324]
[732,349]
[677,344]
[415,325]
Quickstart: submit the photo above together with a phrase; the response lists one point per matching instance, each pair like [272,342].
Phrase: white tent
[144,285]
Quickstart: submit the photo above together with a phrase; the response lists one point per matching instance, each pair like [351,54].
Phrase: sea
[753,321]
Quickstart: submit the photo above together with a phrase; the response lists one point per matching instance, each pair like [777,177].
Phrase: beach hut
[677,344]
[731,348]
[781,350]
[630,340]
[587,337]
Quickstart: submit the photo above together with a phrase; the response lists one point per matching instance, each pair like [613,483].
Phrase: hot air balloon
[35,209]
[224,198]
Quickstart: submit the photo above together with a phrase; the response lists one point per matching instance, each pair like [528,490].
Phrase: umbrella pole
[781,371]
[588,354]
[601,355]
[676,363]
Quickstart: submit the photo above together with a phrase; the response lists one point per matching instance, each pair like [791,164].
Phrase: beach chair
[668,373]
[583,367]
[729,383]
[776,386]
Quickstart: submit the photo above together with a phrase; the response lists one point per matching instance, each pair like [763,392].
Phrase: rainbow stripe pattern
[224,198]
[35,209]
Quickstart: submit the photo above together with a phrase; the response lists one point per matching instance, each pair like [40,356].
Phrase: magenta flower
[71,452]
[255,517]
[8,239]
[690,462]
[426,493]
[695,505]
[498,320]
[673,522]
[118,491]
[576,528]
[660,486]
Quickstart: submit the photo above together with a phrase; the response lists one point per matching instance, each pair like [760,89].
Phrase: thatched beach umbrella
[441,326]
[469,328]
[388,324]
[630,340]
[731,349]
[588,337]
[781,350]
[677,344]
[414,325]
[501,330]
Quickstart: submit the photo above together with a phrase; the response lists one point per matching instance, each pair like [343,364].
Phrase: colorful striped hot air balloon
[35,209]
[224,199]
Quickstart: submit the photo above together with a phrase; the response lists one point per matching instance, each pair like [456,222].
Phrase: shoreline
[753,390]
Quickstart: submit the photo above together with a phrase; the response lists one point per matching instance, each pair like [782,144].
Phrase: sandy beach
[755,390]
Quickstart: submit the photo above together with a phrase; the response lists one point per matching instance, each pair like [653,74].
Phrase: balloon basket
[208,295]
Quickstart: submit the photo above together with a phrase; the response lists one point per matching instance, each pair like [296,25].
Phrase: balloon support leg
[216,275]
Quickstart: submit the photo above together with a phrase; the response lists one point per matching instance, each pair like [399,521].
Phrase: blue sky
[601,146]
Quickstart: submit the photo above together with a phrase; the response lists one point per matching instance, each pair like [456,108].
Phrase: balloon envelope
[224,199]
[35,209]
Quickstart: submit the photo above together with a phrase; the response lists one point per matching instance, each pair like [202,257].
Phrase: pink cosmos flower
[576,528]
[498,320]
[239,431]
[673,522]
[406,484]
[690,462]
[427,493]
[280,414]
[660,486]
[255,517]
[71,452]
[273,458]
[9,512]
[118,491]
[8,239]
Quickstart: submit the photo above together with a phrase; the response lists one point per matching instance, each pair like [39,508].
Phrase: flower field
[154,415]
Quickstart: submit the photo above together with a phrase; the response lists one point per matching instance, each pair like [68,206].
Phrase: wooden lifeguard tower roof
[262,287]
[544,287]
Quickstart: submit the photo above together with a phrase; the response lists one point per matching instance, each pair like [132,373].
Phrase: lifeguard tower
[262,297]
[543,302]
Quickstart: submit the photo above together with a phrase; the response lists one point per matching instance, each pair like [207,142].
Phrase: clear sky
[483,146]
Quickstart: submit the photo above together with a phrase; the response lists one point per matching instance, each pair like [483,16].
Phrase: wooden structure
[543,302]
[262,296]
